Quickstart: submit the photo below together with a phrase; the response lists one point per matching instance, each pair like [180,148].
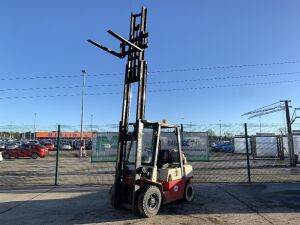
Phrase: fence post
[247,152]
[181,126]
[57,154]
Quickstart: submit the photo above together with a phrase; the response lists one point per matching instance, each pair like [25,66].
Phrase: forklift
[149,172]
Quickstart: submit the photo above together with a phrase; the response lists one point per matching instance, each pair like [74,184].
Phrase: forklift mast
[135,72]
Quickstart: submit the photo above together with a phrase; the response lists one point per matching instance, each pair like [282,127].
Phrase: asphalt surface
[213,204]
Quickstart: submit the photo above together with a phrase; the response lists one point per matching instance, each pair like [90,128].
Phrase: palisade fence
[217,152]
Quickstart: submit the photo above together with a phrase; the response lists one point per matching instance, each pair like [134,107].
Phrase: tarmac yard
[213,204]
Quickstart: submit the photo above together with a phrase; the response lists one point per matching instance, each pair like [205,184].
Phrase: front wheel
[149,201]
[188,192]
[34,155]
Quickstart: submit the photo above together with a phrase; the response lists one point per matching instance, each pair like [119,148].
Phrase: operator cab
[161,158]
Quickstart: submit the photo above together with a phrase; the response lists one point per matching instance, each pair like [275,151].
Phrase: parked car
[33,142]
[65,147]
[223,147]
[49,145]
[29,150]
[77,145]
[18,143]
[88,145]
[2,146]
[9,146]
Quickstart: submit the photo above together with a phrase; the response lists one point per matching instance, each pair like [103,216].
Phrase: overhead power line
[58,87]
[225,67]
[153,72]
[227,85]
[261,108]
[155,91]
[227,77]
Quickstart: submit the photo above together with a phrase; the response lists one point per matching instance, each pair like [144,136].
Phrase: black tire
[34,155]
[188,192]
[6,156]
[149,201]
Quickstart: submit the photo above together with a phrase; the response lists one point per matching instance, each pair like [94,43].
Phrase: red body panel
[42,152]
[25,153]
[14,153]
[49,146]
[22,152]
[174,190]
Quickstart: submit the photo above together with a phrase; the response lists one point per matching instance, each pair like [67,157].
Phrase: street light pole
[289,134]
[220,130]
[260,125]
[92,123]
[10,136]
[34,136]
[82,146]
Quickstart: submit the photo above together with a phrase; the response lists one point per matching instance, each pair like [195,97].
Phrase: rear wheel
[189,192]
[149,201]
[6,156]
[34,155]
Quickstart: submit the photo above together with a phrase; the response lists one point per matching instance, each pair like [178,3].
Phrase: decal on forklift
[183,143]
[176,188]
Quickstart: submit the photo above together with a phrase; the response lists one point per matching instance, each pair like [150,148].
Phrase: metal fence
[217,152]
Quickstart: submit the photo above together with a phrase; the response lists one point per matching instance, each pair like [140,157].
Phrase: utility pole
[290,133]
[247,152]
[220,131]
[10,135]
[82,145]
[22,132]
[275,107]
[57,154]
[92,123]
[181,126]
[34,136]
[259,125]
